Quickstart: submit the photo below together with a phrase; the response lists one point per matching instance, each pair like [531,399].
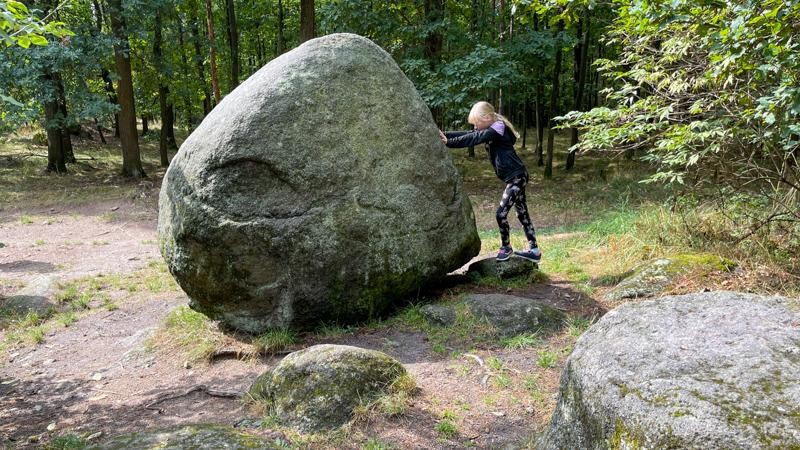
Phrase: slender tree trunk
[582,56]
[525,107]
[233,41]
[166,110]
[539,106]
[187,102]
[212,54]
[145,124]
[548,164]
[198,59]
[131,159]
[99,130]
[279,43]
[307,20]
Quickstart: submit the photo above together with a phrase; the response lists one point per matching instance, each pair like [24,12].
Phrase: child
[499,136]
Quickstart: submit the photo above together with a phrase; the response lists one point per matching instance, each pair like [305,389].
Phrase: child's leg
[509,198]
[522,214]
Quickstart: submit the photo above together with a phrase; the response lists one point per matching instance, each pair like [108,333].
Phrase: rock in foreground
[702,371]
[188,437]
[318,190]
[318,388]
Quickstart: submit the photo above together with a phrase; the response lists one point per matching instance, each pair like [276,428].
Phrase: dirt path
[97,375]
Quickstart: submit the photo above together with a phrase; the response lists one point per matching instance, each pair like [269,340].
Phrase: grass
[189,332]
[547,359]
[274,341]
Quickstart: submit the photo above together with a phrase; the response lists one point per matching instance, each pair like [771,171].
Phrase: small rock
[94,436]
[51,427]
[114,208]
[97,377]
[187,365]
[37,408]
[498,413]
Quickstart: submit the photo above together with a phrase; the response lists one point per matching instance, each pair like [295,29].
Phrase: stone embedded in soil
[297,202]
[511,268]
[701,371]
[439,314]
[654,277]
[187,437]
[318,388]
[509,315]
[37,297]
[512,315]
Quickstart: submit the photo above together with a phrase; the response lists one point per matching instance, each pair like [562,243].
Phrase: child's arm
[452,134]
[471,138]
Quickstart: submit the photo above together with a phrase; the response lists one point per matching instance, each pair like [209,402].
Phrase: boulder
[36,297]
[510,268]
[318,190]
[185,437]
[319,387]
[655,276]
[508,314]
[702,371]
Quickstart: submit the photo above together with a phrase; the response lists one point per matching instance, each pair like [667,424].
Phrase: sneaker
[504,253]
[533,254]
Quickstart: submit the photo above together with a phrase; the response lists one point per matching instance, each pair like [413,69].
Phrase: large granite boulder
[701,371]
[319,387]
[318,190]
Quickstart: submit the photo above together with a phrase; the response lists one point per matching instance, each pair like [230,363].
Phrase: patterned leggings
[514,194]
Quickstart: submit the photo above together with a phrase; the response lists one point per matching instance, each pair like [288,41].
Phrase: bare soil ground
[101,374]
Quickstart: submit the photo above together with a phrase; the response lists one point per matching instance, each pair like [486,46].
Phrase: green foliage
[712,95]
[19,26]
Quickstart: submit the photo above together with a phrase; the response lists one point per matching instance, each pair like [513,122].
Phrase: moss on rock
[319,387]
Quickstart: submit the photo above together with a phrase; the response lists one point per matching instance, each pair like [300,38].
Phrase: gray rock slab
[36,297]
[513,315]
[317,191]
[187,437]
[702,371]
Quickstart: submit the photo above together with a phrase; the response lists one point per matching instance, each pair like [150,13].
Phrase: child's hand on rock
[443,137]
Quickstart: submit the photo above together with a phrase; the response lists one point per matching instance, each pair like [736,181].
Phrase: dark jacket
[499,142]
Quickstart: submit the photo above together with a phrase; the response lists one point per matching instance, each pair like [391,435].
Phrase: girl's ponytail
[508,124]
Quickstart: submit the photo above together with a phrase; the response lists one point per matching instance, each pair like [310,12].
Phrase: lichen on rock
[319,387]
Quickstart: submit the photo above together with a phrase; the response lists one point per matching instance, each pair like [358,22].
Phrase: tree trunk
[166,110]
[187,102]
[131,159]
[548,164]
[66,145]
[145,124]
[198,59]
[233,41]
[279,42]
[539,106]
[307,20]
[581,53]
[55,143]
[212,54]
[434,12]
[525,106]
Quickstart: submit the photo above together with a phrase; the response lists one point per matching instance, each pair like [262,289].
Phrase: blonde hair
[485,111]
